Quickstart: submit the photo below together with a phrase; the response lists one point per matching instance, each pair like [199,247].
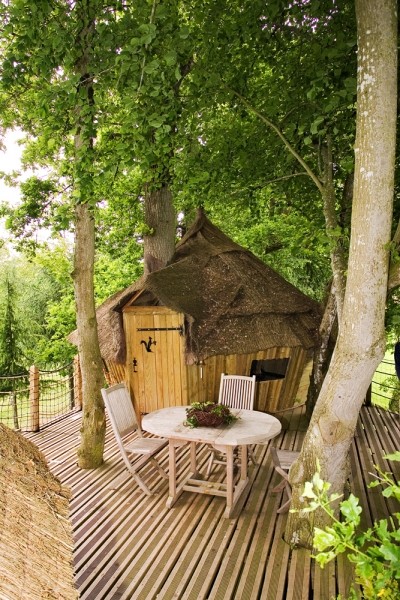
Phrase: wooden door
[155,357]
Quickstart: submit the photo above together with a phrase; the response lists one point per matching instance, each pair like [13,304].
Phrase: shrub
[375,553]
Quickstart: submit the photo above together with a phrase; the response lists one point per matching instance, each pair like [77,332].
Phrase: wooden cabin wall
[114,372]
[271,396]
[161,377]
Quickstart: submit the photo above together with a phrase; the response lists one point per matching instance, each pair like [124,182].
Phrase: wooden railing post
[34,397]
[77,383]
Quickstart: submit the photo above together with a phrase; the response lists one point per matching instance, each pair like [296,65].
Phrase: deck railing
[30,401]
[385,387]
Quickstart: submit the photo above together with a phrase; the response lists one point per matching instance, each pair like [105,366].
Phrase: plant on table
[375,552]
[208,414]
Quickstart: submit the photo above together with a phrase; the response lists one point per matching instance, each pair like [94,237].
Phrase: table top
[252,427]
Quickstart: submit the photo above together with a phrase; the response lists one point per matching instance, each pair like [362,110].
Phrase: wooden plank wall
[204,380]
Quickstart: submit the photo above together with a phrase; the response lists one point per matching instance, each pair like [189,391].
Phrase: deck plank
[130,546]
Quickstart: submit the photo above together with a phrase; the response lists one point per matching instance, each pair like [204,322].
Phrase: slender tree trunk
[338,255]
[361,340]
[90,453]
[159,214]
[322,353]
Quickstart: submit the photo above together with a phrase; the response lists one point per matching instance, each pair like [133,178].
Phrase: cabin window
[265,370]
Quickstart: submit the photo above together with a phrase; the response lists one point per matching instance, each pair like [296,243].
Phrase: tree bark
[90,453]
[322,353]
[159,214]
[338,255]
[361,339]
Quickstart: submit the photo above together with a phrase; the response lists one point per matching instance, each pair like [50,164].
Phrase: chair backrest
[120,409]
[237,391]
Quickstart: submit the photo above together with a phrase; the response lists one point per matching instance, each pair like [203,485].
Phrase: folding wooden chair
[235,391]
[136,452]
[283,460]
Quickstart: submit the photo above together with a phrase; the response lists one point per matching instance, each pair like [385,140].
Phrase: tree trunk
[338,256]
[361,340]
[159,214]
[322,353]
[90,453]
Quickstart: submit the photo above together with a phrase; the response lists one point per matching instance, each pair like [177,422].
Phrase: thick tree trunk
[90,453]
[361,340]
[159,215]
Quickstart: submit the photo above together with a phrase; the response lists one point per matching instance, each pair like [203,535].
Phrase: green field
[385,382]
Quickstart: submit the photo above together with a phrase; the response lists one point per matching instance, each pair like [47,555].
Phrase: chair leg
[141,483]
[284,508]
[159,468]
[280,487]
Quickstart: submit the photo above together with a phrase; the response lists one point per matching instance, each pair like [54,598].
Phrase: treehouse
[215,308]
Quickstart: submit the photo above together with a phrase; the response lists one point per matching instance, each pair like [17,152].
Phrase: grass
[385,382]
[55,400]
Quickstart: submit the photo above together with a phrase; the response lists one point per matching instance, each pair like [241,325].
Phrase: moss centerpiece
[208,414]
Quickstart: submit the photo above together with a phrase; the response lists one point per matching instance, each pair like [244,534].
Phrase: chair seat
[286,458]
[145,445]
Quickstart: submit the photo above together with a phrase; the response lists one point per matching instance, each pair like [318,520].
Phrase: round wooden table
[251,427]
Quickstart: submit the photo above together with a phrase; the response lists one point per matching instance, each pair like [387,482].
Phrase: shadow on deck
[130,546]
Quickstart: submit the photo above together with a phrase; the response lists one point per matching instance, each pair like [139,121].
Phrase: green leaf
[309,490]
[350,509]
[152,66]
[391,552]
[316,123]
[170,57]
[184,32]
[393,456]
[323,538]
[156,120]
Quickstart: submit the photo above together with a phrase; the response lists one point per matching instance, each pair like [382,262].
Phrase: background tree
[11,352]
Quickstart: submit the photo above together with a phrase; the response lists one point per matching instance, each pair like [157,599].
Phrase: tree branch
[279,133]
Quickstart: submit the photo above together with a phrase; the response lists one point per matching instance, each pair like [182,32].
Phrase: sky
[10,160]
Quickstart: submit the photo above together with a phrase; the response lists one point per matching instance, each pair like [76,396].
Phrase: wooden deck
[130,546]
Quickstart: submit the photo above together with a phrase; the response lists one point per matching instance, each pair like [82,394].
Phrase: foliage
[375,552]
[208,414]
[12,355]
[42,305]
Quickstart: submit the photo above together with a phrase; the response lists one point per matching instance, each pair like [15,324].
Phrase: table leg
[172,473]
[244,457]
[234,494]
[174,490]
[193,459]
[229,479]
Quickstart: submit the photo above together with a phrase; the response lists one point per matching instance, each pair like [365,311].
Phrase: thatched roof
[36,535]
[233,303]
